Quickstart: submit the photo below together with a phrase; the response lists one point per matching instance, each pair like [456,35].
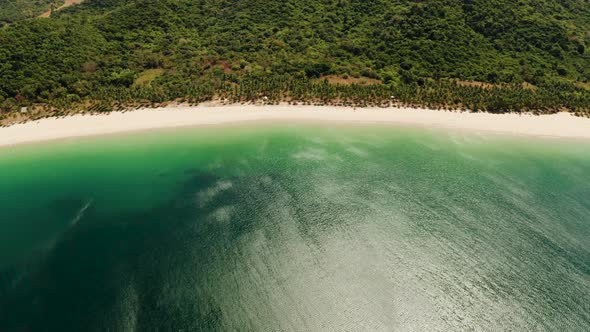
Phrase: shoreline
[560,125]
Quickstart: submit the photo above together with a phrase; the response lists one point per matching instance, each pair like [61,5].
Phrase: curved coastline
[560,125]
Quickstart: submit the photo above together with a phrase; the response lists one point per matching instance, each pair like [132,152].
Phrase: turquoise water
[295,228]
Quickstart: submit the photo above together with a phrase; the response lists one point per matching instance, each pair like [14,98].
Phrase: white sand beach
[561,125]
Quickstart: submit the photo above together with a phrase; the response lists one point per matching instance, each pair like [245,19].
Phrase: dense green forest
[438,53]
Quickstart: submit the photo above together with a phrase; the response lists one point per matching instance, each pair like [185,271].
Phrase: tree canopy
[533,53]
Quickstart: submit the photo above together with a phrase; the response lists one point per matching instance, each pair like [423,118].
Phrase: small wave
[80,213]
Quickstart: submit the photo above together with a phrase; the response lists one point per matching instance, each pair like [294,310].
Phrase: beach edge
[559,125]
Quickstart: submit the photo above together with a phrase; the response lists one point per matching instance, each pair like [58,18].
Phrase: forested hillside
[432,52]
[14,10]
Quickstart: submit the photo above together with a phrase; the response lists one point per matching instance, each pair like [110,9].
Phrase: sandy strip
[562,125]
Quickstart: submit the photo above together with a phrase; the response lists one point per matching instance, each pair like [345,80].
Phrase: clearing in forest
[67,3]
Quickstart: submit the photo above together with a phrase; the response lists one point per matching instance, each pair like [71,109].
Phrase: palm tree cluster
[445,94]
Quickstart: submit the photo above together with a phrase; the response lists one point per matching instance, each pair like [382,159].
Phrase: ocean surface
[303,227]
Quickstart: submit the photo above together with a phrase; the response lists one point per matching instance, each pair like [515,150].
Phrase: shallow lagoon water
[295,227]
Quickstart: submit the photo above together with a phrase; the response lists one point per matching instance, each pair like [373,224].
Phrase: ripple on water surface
[301,227]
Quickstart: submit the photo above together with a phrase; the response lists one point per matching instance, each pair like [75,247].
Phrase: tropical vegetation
[481,55]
